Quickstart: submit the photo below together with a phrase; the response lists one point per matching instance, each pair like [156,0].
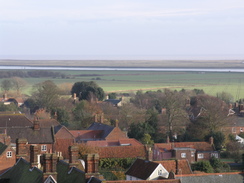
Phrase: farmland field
[131,81]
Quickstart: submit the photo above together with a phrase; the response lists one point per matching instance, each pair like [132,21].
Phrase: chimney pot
[36,125]
[211,140]
[167,140]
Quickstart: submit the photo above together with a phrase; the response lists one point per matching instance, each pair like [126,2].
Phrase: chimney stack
[49,166]
[211,140]
[5,139]
[168,139]
[117,123]
[36,125]
[55,115]
[95,118]
[101,118]
[73,156]
[33,156]
[91,163]
[21,148]
[149,153]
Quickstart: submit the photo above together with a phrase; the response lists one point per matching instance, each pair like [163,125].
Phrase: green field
[131,81]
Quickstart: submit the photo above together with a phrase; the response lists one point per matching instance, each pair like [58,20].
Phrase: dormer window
[9,154]
[183,155]
[43,148]
[200,156]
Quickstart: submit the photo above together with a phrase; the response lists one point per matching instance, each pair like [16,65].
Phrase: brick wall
[63,139]
[6,162]
[189,155]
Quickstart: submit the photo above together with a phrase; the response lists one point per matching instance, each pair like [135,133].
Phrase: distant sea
[119,69]
[125,57]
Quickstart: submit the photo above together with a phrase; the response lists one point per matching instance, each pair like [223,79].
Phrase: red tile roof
[200,146]
[171,165]
[122,152]
[120,142]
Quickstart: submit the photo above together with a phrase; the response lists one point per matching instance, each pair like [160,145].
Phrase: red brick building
[192,151]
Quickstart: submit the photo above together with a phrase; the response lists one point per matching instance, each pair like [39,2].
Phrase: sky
[121,29]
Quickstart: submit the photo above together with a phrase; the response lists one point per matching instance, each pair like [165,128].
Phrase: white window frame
[44,148]
[183,155]
[9,154]
[200,156]
[216,155]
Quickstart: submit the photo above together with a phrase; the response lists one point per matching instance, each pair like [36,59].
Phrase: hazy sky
[121,28]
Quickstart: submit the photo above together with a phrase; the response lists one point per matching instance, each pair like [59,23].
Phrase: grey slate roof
[42,136]
[2,147]
[113,101]
[21,173]
[67,174]
[100,126]
[14,120]
[142,169]
[57,128]
[216,178]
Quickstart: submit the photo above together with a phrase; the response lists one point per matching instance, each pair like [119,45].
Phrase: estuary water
[121,69]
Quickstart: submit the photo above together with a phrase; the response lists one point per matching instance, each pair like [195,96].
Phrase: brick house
[18,101]
[53,168]
[50,167]
[110,141]
[7,153]
[47,134]
[99,131]
[179,167]
[192,151]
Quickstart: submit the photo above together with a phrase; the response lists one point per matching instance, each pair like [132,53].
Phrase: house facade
[192,151]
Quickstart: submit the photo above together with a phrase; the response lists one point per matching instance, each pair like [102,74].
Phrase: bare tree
[18,84]
[174,106]
[213,114]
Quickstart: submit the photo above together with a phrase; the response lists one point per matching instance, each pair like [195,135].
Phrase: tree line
[34,74]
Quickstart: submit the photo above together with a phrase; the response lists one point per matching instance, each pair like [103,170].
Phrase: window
[183,155]
[43,148]
[216,155]
[159,172]
[200,156]
[9,154]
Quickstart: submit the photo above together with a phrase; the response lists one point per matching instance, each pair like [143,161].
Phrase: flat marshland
[129,63]
[131,81]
